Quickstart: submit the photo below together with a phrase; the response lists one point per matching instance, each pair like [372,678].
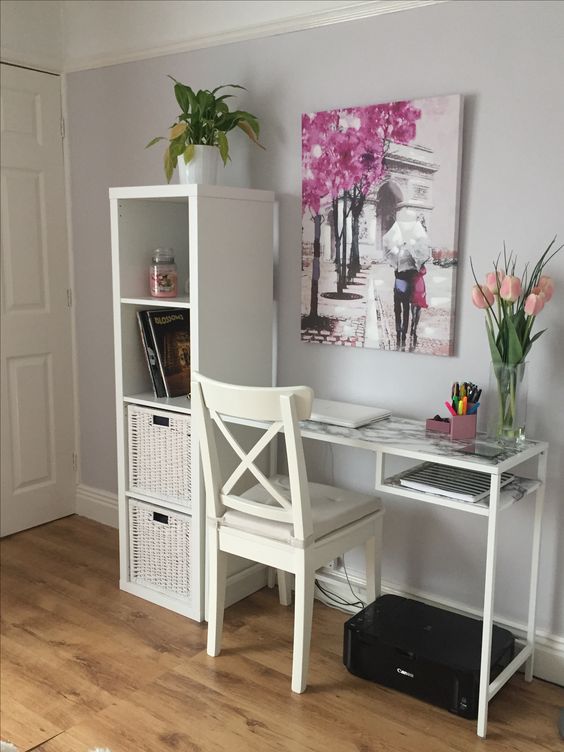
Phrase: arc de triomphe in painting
[408,185]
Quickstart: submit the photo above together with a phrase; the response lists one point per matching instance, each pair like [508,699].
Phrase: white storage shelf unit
[223,245]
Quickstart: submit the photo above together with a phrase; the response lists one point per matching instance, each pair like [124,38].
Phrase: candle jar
[163,274]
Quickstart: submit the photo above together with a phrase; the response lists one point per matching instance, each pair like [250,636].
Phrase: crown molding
[350,12]
[46,63]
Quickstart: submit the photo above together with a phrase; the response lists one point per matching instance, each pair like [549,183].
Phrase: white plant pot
[202,168]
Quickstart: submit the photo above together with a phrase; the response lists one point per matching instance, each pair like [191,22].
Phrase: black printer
[423,651]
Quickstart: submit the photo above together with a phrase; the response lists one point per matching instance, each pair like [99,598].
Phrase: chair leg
[217,561]
[303,611]
[285,587]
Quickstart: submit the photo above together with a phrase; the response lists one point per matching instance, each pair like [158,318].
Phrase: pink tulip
[482,296]
[510,289]
[546,285]
[492,279]
[534,304]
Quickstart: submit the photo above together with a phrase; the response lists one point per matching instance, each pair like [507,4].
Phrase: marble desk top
[399,435]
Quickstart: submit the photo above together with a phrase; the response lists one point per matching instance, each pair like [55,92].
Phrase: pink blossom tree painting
[379,203]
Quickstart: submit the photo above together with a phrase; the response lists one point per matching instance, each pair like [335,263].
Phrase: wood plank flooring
[85,665]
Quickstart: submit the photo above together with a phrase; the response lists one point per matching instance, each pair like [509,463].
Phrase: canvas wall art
[380,189]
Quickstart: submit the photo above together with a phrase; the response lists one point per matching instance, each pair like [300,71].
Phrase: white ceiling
[67,35]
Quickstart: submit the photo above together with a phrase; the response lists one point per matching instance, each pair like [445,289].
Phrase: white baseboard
[98,505]
[244,583]
[549,649]
[102,506]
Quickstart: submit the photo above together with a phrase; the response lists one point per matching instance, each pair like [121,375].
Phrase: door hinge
[75,461]
[62,127]
[69,297]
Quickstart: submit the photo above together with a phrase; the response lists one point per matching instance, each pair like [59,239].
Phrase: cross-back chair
[283,521]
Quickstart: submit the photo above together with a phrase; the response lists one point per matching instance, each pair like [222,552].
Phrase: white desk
[407,438]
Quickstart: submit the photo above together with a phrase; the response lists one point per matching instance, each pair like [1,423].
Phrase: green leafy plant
[205,119]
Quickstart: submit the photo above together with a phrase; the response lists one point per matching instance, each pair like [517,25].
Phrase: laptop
[345,414]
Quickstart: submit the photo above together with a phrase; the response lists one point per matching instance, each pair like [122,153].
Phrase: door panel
[31,421]
[38,479]
[25,271]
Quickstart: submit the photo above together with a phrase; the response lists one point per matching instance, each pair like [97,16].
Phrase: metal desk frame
[405,438]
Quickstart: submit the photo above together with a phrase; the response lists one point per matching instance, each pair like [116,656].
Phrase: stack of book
[165,334]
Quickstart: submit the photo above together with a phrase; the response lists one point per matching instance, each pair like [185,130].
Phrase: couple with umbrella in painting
[407,249]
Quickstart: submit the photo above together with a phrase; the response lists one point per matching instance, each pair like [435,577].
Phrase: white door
[38,479]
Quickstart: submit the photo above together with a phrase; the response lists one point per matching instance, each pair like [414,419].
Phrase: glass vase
[507,410]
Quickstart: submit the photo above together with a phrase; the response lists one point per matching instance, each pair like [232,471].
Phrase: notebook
[455,482]
[345,414]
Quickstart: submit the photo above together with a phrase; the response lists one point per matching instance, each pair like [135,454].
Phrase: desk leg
[489,591]
[380,468]
[535,555]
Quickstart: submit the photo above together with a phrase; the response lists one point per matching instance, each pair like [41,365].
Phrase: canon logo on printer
[404,673]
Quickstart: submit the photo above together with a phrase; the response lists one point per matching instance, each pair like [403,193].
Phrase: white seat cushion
[331,509]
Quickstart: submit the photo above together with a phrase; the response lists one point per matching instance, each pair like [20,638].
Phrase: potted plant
[199,134]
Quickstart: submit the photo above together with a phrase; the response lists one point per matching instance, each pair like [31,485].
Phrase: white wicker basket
[160,461]
[160,549]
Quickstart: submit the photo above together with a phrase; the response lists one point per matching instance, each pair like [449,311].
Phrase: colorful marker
[450,408]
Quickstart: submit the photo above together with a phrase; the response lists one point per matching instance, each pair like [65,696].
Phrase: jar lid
[163,255]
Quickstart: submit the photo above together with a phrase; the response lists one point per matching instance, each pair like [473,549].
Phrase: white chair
[283,522]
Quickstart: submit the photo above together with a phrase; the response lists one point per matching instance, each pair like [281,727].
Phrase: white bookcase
[223,244]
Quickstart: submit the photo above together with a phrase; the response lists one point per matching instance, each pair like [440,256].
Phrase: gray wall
[506,59]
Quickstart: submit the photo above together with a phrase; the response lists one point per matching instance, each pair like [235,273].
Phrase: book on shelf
[456,483]
[170,329]
[151,354]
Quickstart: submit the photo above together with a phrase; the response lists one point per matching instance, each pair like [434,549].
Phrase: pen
[460,404]
[450,408]
[473,408]
[455,401]
[464,405]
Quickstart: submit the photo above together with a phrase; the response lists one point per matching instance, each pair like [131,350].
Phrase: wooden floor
[85,665]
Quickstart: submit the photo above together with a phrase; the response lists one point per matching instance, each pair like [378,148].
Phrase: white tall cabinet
[223,244]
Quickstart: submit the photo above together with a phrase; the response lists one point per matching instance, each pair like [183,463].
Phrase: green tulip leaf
[496,355]
[514,346]
[530,342]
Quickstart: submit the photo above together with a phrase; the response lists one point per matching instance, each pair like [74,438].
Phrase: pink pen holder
[458,427]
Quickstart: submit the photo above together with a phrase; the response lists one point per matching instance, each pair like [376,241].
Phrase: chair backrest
[281,408]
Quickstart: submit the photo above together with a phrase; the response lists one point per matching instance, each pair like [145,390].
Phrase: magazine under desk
[398,437]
